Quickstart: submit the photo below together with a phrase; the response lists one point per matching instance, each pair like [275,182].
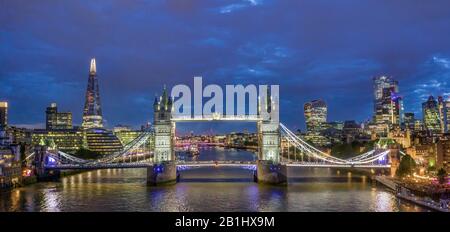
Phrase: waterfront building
[238,139]
[10,166]
[98,141]
[126,136]
[5,138]
[57,120]
[3,114]
[102,141]
[431,118]
[70,140]
[20,135]
[92,113]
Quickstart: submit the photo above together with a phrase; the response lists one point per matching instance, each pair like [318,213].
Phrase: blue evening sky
[312,49]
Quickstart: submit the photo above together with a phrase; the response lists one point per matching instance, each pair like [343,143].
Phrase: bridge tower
[269,170]
[41,159]
[164,169]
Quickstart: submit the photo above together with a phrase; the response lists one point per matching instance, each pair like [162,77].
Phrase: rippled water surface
[205,189]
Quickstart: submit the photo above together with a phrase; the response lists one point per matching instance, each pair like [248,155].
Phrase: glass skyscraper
[388,104]
[431,117]
[3,114]
[315,115]
[92,114]
[57,120]
[444,116]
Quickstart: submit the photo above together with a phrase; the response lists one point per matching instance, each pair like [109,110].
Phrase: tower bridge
[162,167]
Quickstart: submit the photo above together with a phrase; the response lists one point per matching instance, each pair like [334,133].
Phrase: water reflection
[312,189]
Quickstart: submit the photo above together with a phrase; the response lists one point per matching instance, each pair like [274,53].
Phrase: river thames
[206,189]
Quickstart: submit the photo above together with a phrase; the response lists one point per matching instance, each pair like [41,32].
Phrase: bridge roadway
[92,166]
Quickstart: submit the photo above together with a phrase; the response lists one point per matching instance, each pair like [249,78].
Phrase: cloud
[312,49]
[239,6]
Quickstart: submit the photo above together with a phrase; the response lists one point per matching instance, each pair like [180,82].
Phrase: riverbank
[29,180]
[26,180]
[423,199]
[427,204]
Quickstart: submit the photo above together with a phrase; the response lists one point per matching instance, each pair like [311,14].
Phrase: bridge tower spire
[269,169]
[164,169]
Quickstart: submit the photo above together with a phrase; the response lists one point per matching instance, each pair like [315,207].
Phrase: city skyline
[39,71]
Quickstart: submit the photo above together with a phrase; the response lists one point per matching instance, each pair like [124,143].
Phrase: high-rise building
[388,104]
[92,114]
[443,113]
[431,118]
[447,116]
[315,116]
[3,114]
[408,119]
[57,120]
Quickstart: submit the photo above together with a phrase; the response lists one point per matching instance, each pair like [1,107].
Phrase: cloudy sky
[312,49]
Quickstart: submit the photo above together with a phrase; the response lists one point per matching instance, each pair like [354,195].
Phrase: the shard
[92,114]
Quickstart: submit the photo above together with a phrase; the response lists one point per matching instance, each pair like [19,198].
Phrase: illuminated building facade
[444,113]
[69,141]
[126,136]
[316,122]
[431,118]
[10,166]
[102,141]
[99,141]
[388,105]
[164,128]
[57,120]
[315,116]
[92,114]
[3,114]
[418,125]
[443,154]
[4,135]
[409,119]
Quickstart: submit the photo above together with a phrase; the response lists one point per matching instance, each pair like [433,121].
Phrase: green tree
[406,167]
[441,175]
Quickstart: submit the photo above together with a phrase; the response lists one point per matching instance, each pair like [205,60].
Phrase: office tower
[447,116]
[3,114]
[388,104]
[57,120]
[442,107]
[92,114]
[408,119]
[51,114]
[431,118]
[315,115]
